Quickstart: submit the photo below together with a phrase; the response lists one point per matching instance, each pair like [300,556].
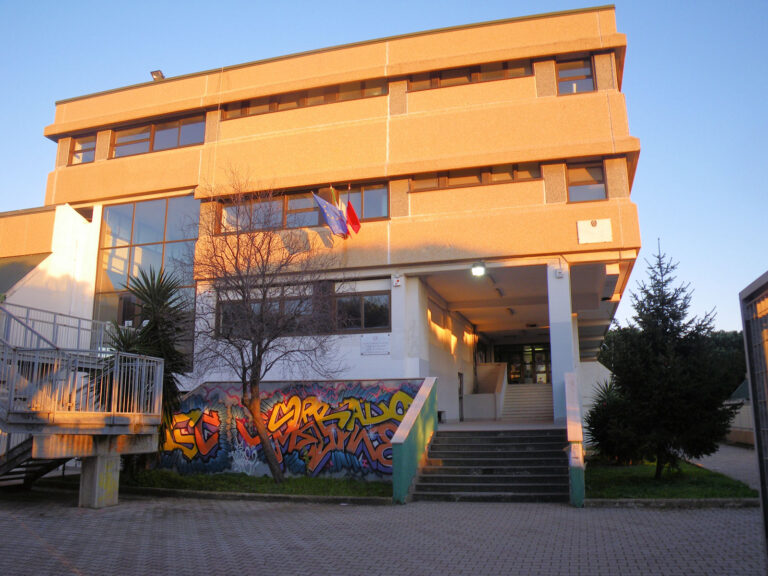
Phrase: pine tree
[667,369]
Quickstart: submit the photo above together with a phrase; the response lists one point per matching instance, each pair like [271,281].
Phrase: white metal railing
[9,441]
[14,332]
[46,383]
[62,330]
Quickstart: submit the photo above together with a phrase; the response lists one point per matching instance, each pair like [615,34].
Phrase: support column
[99,481]
[560,333]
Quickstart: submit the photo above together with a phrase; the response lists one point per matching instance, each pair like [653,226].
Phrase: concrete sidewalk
[735,461]
[45,533]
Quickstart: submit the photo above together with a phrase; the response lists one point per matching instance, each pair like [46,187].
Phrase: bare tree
[266,300]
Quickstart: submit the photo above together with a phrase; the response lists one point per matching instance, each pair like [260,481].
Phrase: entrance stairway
[496,466]
[527,404]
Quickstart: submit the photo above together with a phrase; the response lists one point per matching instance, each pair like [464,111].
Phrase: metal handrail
[64,331]
[47,382]
[15,332]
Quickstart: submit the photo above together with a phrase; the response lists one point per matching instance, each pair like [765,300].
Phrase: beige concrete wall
[26,232]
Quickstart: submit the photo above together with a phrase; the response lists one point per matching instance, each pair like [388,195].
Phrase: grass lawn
[261,485]
[610,481]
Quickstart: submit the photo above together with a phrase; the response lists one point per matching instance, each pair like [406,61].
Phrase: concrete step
[496,470]
[535,488]
[489,497]
[509,434]
[505,479]
[501,452]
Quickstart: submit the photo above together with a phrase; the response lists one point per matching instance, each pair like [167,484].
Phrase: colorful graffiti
[336,429]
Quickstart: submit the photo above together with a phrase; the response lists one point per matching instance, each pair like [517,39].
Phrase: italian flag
[347,210]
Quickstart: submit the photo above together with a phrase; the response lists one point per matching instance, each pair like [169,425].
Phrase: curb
[251,496]
[673,503]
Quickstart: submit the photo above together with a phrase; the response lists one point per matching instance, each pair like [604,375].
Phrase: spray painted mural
[338,429]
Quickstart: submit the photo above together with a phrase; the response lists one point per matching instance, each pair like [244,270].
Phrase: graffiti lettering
[194,433]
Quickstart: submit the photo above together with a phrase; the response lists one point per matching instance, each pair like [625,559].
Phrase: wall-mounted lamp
[157,75]
[478,269]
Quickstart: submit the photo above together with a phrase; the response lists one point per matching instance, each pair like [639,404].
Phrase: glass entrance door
[526,363]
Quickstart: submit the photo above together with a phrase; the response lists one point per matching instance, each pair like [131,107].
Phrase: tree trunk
[659,465]
[261,429]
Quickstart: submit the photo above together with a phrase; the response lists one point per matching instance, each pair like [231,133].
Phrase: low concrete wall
[480,407]
[409,444]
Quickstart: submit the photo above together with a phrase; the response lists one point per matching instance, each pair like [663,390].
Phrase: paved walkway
[44,533]
[734,461]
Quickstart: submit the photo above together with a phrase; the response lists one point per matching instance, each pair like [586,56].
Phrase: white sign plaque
[374,344]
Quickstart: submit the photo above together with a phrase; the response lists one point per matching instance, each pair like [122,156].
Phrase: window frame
[178,120]
[73,152]
[474,74]
[591,76]
[361,328]
[485,174]
[593,164]
[330,94]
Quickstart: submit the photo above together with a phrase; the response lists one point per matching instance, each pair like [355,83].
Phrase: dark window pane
[464,177]
[374,88]
[528,171]
[301,219]
[420,82]
[574,69]
[585,174]
[288,101]
[375,203]
[233,110]
[350,91]
[493,71]
[113,270]
[166,136]
[192,131]
[502,173]
[575,86]
[116,225]
[424,182]
[258,106]
[455,77]
[131,149]
[586,192]
[149,223]
[376,311]
[316,96]
[183,218]
[518,69]
[348,313]
[105,307]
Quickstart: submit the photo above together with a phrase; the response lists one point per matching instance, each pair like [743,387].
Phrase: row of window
[469,75]
[305,98]
[474,177]
[573,76]
[299,210]
[313,313]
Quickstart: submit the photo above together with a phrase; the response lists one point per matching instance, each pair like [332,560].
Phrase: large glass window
[159,136]
[469,74]
[475,176]
[138,236]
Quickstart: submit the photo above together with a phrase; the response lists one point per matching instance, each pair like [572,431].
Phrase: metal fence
[47,382]
[61,330]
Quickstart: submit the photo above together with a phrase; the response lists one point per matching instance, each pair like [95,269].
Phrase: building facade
[503,145]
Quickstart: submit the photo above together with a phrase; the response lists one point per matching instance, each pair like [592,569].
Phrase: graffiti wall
[338,429]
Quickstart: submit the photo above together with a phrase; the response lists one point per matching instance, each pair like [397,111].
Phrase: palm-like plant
[163,317]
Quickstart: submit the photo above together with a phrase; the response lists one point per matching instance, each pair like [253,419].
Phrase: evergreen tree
[668,372]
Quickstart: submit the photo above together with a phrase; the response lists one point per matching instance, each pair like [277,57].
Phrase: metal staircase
[51,392]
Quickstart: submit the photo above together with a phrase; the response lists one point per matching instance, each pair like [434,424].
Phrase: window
[159,136]
[475,177]
[574,76]
[469,74]
[585,182]
[82,150]
[305,98]
[299,209]
[136,236]
[363,312]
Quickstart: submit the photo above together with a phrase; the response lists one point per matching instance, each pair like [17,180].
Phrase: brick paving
[45,533]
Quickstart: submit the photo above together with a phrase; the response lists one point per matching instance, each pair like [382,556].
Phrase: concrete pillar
[99,481]
[560,333]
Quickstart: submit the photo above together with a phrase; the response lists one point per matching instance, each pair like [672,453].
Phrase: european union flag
[333,216]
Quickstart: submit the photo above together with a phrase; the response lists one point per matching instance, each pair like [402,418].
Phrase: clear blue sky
[696,83]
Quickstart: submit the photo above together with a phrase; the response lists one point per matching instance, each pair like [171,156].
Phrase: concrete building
[503,144]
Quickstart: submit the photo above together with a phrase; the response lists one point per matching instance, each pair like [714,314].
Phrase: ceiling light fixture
[478,269]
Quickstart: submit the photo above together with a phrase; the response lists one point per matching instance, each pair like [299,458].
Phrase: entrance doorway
[526,363]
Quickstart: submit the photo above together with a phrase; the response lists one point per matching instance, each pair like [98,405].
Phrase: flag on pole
[333,216]
[352,220]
